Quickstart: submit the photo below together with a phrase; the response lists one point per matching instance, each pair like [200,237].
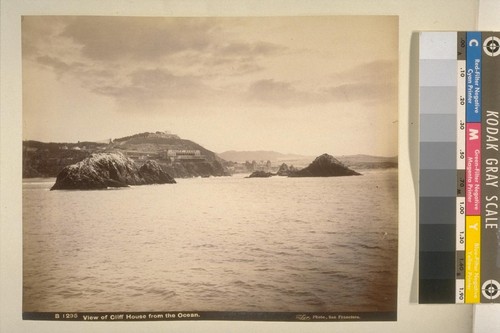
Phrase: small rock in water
[325,166]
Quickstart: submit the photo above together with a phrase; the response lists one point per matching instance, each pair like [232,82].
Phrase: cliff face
[324,166]
[103,170]
[196,169]
[152,173]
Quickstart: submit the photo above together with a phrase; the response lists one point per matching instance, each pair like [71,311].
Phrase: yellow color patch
[472,259]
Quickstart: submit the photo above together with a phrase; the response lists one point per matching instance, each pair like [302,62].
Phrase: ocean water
[213,244]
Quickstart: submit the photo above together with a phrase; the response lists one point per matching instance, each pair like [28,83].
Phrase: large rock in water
[103,170]
[325,166]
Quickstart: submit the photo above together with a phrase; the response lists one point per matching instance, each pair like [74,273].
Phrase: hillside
[181,158]
[42,159]
[261,155]
[154,143]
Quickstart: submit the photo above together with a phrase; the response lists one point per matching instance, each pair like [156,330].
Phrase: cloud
[154,85]
[272,91]
[114,38]
[374,82]
[240,58]
[114,56]
[361,92]
[37,31]
[371,82]
[250,49]
[59,66]
[198,60]
[154,38]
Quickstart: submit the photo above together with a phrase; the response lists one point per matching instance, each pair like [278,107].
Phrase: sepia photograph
[210,168]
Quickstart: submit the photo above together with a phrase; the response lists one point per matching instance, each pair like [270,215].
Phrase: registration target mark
[491,289]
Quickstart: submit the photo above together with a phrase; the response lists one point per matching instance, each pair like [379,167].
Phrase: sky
[303,85]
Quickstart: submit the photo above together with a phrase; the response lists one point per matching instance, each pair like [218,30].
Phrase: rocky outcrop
[103,170]
[261,174]
[325,166]
[152,173]
[286,170]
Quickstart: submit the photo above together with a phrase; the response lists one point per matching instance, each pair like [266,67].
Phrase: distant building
[183,154]
[261,166]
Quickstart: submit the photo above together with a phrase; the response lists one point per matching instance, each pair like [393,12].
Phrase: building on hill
[163,135]
[146,136]
[183,155]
